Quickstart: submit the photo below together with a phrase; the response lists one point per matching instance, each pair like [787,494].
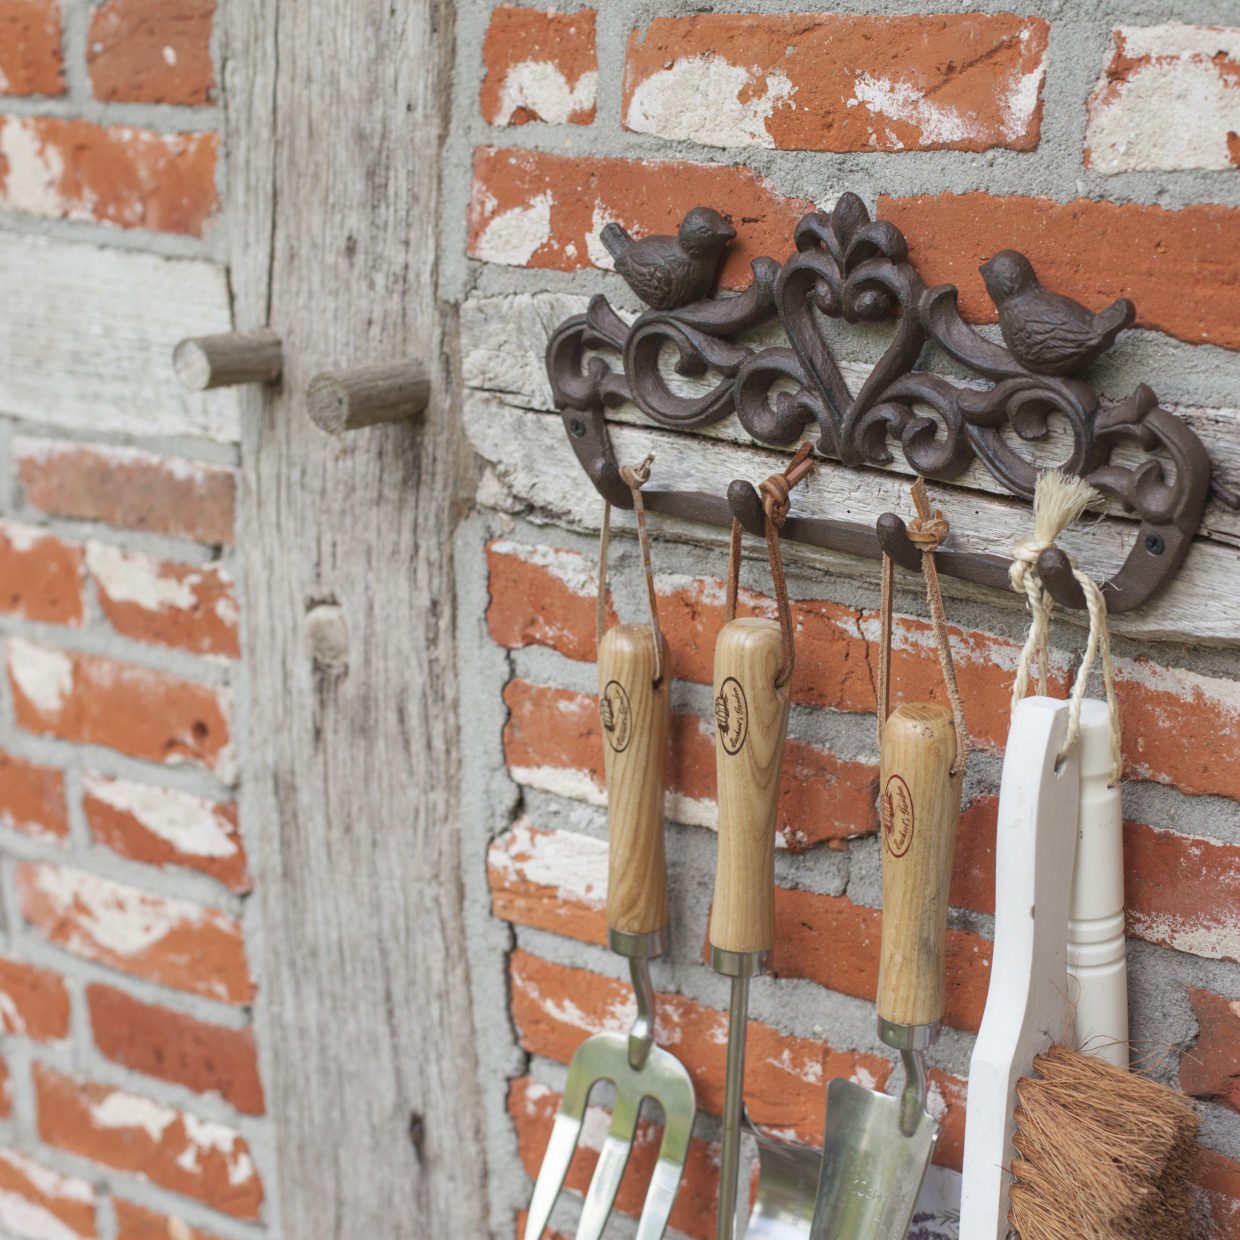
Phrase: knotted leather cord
[775,493]
[1070,497]
[634,477]
[927,531]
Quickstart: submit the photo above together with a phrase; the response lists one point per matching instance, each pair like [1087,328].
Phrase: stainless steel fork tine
[564,1134]
[612,1160]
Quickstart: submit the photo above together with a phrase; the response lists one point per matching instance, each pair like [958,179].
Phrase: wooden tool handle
[751,722]
[920,803]
[635,715]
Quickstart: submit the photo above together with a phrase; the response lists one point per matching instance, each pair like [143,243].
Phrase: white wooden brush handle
[1027,1003]
[1097,966]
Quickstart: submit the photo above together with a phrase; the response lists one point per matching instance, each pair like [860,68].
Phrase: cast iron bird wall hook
[1047,332]
[669,272]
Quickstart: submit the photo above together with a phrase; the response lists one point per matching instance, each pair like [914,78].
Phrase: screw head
[1154,544]
[577,427]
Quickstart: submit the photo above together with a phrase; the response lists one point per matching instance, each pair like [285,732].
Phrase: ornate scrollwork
[851,268]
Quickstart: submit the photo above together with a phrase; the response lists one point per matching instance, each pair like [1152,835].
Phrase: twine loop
[1058,501]
[776,492]
[927,531]
[634,477]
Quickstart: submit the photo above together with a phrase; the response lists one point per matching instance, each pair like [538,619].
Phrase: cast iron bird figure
[667,272]
[1049,333]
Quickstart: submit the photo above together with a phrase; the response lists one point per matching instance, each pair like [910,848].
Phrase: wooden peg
[204,362]
[344,400]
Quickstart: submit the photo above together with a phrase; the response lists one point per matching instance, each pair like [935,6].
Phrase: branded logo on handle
[617,715]
[897,815]
[732,715]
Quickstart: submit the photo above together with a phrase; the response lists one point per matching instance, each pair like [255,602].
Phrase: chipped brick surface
[32,798]
[34,1002]
[185,606]
[40,576]
[540,66]
[1211,1069]
[170,941]
[42,1204]
[831,83]
[160,826]
[175,1149]
[58,168]
[135,1223]
[1176,266]
[30,58]
[172,1046]
[139,711]
[1168,100]
[530,209]
[151,51]
[129,489]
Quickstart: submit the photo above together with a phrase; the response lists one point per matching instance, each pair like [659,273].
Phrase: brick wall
[133,1106]
[1104,149]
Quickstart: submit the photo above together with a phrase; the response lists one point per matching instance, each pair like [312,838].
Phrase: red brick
[1167,101]
[175,1047]
[1212,1068]
[31,62]
[524,1130]
[151,51]
[33,1002]
[540,66]
[533,1107]
[129,489]
[135,1223]
[1219,1184]
[1182,892]
[556,1008]
[136,710]
[32,798]
[6,1091]
[531,209]
[820,82]
[128,1132]
[1176,266]
[36,1201]
[552,741]
[973,870]
[805,920]
[189,607]
[42,576]
[552,880]
[542,596]
[134,178]
[158,826]
[172,942]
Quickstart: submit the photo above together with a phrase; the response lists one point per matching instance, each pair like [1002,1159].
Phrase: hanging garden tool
[1103,1152]
[753,665]
[634,707]
[877,1147]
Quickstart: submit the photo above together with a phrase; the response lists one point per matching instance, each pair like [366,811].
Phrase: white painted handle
[1097,967]
[1027,1004]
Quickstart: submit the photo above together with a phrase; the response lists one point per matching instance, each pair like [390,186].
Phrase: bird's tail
[1118,315]
[615,239]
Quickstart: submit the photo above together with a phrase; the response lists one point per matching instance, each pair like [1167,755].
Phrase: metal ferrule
[738,964]
[649,944]
[907,1037]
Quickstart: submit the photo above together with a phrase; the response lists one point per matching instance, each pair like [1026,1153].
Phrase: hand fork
[635,713]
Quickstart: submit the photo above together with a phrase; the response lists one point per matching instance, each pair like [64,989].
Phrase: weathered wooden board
[86,338]
[531,455]
[338,114]
[504,340]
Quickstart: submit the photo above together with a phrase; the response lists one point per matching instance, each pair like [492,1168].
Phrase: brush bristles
[1104,1154]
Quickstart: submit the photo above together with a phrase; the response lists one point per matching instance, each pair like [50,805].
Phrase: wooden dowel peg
[204,362]
[344,400]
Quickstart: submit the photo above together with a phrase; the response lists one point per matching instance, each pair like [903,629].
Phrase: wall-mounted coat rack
[850,267]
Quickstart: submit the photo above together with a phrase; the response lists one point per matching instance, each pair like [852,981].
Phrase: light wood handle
[751,723]
[635,716]
[920,803]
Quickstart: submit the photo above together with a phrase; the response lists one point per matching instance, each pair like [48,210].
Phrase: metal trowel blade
[871,1170]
